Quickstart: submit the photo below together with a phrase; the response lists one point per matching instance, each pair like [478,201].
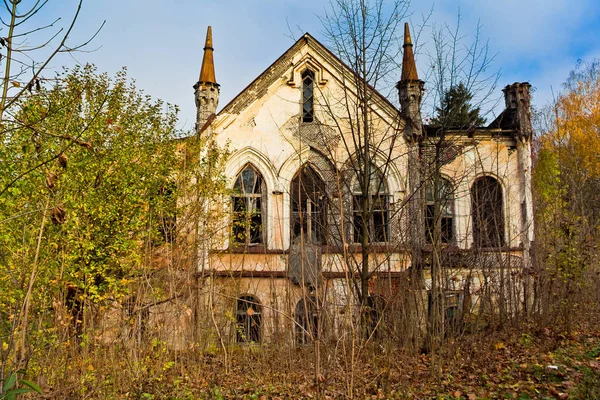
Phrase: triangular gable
[259,86]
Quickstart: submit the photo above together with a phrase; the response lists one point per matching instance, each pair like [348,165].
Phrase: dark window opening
[375,223]
[307,320]
[168,215]
[308,82]
[488,215]
[453,310]
[163,214]
[446,211]
[76,306]
[248,320]
[248,207]
[308,204]
[374,315]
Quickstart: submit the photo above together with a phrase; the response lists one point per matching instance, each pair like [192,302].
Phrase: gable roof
[279,67]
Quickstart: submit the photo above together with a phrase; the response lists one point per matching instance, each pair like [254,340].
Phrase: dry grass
[519,362]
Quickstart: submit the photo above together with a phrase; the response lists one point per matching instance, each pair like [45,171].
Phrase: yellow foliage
[575,133]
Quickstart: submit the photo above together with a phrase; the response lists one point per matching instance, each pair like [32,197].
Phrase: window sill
[374,248]
[254,249]
[503,249]
[378,247]
[453,248]
[325,249]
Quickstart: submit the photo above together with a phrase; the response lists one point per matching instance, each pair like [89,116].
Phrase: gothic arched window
[249,207]
[308,98]
[488,215]
[375,222]
[307,198]
[248,320]
[445,197]
[307,320]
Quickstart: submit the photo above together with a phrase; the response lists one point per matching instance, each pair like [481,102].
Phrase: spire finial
[409,67]
[407,39]
[208,43]
[207,73]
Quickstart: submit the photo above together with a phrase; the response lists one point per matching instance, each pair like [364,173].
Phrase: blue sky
[160,42]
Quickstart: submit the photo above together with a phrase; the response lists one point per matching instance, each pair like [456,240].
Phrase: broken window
[248,320]
[249,206]
[307,198]
[308,83]
[446,211]
[307,320]
[488,215]
[375,221]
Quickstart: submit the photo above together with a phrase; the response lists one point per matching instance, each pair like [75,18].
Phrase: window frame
[304,216]
[248,326]
[379,204]
[447,211]
[492,211]
[256,218]
[308,96]
[307,326]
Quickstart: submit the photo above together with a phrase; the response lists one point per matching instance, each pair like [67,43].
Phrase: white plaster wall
[257,136]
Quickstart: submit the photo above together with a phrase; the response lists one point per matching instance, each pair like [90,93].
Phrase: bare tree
[458,69]
[365,35]
[26,53]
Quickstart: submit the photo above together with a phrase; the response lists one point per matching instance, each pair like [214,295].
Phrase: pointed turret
[410,90]
[409,67]
[207,73]
[207,88]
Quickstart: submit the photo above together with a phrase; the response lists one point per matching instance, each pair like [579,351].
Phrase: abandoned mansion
[342,203]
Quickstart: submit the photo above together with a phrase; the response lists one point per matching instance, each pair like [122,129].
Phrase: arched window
[307,320]
[488,215]
[307,198]
[308,98]
[248,320]
[375,221]
[249,207]
[445,197]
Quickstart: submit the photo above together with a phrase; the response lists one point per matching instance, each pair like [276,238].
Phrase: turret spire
[410,91]
[409,67]
[206,90]
[207,73]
